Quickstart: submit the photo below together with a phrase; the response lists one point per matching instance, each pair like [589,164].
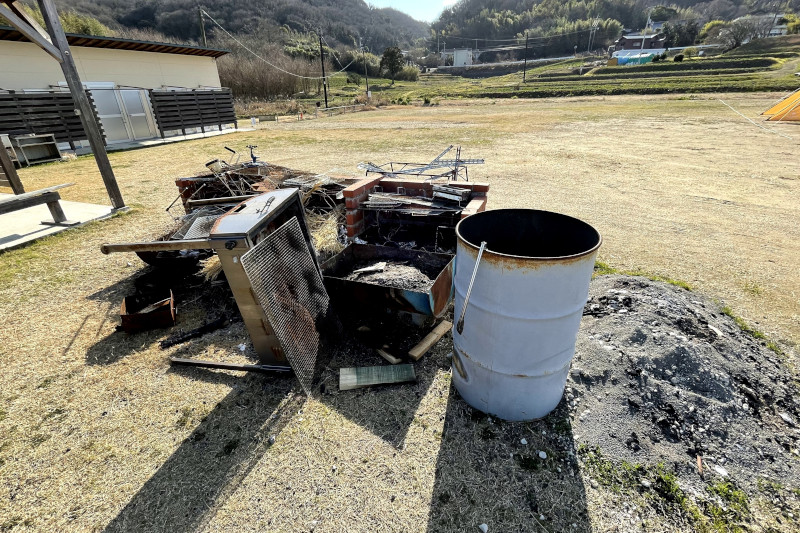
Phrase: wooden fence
[330,111]
[181,110]
[44,112]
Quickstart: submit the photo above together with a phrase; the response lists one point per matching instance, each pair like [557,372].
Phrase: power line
[276,67]
[516,39]
[754,123]
[333,53]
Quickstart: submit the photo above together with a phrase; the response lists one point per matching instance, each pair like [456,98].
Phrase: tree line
[561,27]
[285,34]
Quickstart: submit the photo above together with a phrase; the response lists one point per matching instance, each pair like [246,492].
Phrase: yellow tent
[786,109]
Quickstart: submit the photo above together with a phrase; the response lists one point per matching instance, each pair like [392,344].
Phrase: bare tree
[736,33]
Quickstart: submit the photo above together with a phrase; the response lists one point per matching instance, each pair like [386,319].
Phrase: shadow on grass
[486,475]
[208,466]
[196,301]
[386,411]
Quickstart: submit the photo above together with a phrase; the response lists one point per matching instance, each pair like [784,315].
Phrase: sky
[425,10]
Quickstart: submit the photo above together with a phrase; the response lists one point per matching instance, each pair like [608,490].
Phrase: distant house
[633,41]
[462,58]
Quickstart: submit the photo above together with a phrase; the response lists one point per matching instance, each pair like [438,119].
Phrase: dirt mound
[661,375]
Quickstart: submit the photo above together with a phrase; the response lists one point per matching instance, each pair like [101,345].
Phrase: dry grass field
[98,433]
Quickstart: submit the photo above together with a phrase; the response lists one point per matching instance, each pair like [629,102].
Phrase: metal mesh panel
[212,213]
[201,227]
[289,287]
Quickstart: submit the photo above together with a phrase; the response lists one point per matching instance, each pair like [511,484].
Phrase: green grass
[697,76]
[751,287]
[755,333]
[760,66]
[652,75]
[747,69]
[695,64]
[769,486]
[734,497]
[706,515]
[604,269]
[744,326]
[735,509]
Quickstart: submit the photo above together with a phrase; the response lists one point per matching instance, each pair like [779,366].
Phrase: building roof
[8,33]
[651,37]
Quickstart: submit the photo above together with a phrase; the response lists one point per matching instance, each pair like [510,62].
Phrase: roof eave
[7,33]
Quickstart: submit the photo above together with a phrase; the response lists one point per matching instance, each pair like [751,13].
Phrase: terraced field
[767,65]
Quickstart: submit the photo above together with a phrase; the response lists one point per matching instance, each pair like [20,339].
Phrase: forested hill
[342,21]
[495,19]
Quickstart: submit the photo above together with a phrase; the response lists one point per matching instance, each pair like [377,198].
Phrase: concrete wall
[26,66]
[462,58]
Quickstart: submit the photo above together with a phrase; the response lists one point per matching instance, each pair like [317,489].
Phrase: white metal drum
[512,358]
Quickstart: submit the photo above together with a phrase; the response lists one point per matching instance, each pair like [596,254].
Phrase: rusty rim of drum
[588,233]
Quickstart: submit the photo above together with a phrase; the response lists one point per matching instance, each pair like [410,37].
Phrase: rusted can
[512,357]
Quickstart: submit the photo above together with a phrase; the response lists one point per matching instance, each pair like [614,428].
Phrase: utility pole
[366,74]
[85,110]
[525,65]
[322,61]
[644,32]
[202,26]
[595,25]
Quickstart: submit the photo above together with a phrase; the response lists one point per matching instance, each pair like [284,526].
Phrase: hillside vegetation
[559,27]
[275,46]
[763,65]
[341,21]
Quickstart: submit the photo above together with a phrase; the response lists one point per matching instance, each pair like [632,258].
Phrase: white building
[118,73]
[462,58]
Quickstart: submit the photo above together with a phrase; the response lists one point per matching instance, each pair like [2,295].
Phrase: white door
[109,111]
[136,109]
[125,114]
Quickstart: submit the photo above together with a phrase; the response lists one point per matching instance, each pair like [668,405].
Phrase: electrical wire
[516,39]
[333,53]
[754,123]
[276,67]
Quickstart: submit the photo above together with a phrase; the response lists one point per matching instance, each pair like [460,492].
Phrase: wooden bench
[23,200]
[47,196]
